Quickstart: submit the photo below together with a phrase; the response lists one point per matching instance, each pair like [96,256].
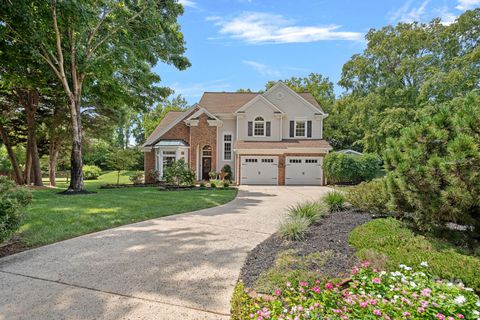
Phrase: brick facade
[281,163]
[200,136]
[149,164]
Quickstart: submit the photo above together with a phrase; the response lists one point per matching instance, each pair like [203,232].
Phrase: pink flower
[440,316]
[329,286]
[377,312]
[365,264]
[420,309]
[355,270]
[363,304]
[376,280]
[460,316]
[407,314]
[289,284]
[316,289]
[278,292]
[337,310]
[303,283]
[426,292]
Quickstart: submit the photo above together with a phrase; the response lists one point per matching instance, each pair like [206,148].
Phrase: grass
[290,267]
[335,200]
[388,242]
[52,217]
[294,228]
[311,210]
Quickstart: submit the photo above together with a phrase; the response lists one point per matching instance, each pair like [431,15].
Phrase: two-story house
[271,138]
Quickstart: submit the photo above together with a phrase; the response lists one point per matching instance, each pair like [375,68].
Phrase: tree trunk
[53,150]
[13,159]
[28,167]
[76,174]
[30,99]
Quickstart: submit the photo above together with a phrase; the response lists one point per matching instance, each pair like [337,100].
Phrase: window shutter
[267,128]
[292,129]
[309,129]
[250,128]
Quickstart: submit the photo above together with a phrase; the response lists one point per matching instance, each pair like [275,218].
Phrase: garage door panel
[304,171]
[259,170]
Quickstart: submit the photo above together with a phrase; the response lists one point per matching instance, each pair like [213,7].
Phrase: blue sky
[236,44]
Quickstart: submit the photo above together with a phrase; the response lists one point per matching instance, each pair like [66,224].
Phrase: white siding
[230,126]
[259,108]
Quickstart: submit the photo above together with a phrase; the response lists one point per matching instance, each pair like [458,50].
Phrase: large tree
[85,43]
[405,68]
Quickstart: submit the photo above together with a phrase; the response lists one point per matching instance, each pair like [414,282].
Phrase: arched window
[207,151]
[259,127]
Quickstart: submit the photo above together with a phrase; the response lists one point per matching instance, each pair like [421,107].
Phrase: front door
[206,167]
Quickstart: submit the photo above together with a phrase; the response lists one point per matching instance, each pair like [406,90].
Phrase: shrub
[369,196]
[390,240]
[178,173]
[154,175]
[405,293]
[335,200]
[212,175]
[434,166]
[311,210]
[137,177]
[122,159]
[91,172]
[226,184]
[227,172]
[13,201]
[202,184]
[294,227]
[349,169]
[213,184]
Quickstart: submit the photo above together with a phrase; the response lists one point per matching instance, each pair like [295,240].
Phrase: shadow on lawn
[193,265]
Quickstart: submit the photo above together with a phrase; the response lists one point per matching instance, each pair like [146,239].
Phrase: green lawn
[52,217]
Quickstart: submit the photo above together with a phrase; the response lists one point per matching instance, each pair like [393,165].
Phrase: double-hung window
[300,128]
[259,127]
[227,147]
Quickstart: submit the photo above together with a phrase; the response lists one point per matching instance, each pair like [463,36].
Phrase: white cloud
[409,13]
[446,16]
[263,69]
[467,4]
[258,27]
[188,3]
[195,90]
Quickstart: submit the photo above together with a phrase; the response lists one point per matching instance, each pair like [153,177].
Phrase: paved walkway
[178,267]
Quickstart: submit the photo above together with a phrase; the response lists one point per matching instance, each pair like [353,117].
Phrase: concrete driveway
[178,267]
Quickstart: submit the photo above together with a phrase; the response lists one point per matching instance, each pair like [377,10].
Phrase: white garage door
[259,170]
[303,171]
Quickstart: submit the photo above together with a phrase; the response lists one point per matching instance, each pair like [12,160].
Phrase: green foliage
[335,200]
[311,210]
[226,184]
[13,202]
[434,167]
[402,69]
[212,175]
[347,168]
[242,305]
[137,177]
[121,159]
[227,172]
[91,172]
[391,242]
[178,173]
[213,183]
[202,184]
[294,227]
[370,196]
[293,268]
[369,294]
[153,117]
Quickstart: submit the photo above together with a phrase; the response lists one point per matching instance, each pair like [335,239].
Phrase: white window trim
[231,146]
[264,126]
[305,128]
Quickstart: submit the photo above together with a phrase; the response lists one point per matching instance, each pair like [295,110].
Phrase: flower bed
[368,294]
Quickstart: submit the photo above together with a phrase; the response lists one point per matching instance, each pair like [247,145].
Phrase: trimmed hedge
[370,196]
[350,169]
[13,202]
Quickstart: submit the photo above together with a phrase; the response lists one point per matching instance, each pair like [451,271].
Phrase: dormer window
[259,127]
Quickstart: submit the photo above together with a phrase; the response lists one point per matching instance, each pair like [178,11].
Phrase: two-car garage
[264,170]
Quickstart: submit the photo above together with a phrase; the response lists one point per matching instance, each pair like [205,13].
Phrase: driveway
[179,267]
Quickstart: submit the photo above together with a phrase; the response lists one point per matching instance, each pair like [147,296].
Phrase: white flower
[424,264]
[460,300]
[478,303]
[468,289]
[475,312]
[413,284]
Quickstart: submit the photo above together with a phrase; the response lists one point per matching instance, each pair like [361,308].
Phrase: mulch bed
[11,247]
[330,233]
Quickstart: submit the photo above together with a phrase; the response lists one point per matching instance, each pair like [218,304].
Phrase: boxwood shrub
[91,172]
